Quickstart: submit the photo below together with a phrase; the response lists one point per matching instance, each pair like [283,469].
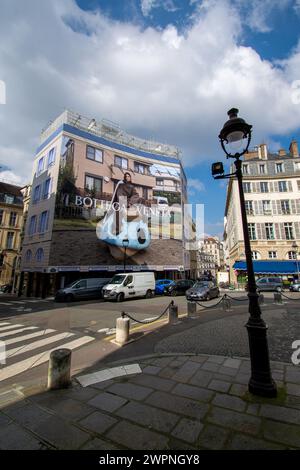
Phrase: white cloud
[148,5]
[155,83]
[195,184]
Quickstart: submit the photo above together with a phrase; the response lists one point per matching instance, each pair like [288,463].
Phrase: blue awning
[269,267]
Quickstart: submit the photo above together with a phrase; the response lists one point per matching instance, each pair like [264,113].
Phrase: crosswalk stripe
[11,327]
[4,323]
[14,332]
[19,339]
[38,359]
[37,344]
[4,303]
[19,302]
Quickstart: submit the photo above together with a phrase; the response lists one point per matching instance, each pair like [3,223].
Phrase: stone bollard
[122,330]
[261,299]
[173,314]
[226,304]
[191,309]
[277,298]
[59,370]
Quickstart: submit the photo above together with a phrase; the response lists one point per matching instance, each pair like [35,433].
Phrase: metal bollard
[226,304]
[261,299]
[59,370]
[173,314]
[277,298]
[191,309]
[122,330]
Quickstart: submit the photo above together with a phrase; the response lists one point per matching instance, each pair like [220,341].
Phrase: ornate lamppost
[295,248]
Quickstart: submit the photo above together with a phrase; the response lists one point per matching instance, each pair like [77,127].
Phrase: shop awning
[269,267]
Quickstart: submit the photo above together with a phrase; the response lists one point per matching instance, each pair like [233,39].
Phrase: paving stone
[162,361]
[188,430]
[102,385]
[253,409]
[238,390]
[175,364]
[199,359]
[183,359]
[148,416]
[242,442]
[4,420]
[158,383]
[137,438]
[227,371]
[277,375]
[153,370]
[210,366]
[66,407]
[287,434]
[176,444]
[81,394]
[213,437]
[190,391]
[219,385]
[242,378]
[13,437]
[61,434]
[293,389]
[234,420]
[224,378]
[107,402]
[28,415]
[167,372]
[186,371]
[280,413]
[292,402]
[180,405]
[245,367]
[99,444]
[97,422]
[216,359]
[229,401]
[293,376]
[201,378]
[130,390]
[234,363]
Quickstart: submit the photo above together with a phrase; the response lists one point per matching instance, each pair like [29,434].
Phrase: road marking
[4,323]
[11,327]
[18,301]
[10,333]
[4,303]
[30,336]
[37,344]
[39,359]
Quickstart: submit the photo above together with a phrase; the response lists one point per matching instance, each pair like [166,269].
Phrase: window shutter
[260,207]
[298,206]
[290,187]
[271,186]
[293,206]
[279,211]
[276,187]
[274,207]
[277,231]
[297,229]
[258,231]
[283,237]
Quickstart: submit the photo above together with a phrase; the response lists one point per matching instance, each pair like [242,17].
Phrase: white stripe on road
[11,327]
[26,337]
[18,302]
[37,344]
[4,303]
[15,332]
[4,323]
[40,358]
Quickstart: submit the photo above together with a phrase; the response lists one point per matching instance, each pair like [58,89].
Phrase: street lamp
[125,243]
[295,247]
[235,138]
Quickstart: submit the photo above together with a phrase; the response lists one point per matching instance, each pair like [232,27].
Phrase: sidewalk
[177,402]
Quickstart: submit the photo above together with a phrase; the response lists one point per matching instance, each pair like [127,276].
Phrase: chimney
[281,152]
[263,151]
[294,149]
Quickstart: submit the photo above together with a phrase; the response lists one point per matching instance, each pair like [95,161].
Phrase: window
[269,231]
[292,255]
[255,255]
[247,187]
[81,285]
[32,225]
[245,169]
[28,255]
[121,162]
[1,216]
[39,256]
[94,154]
[285,207]
[279,168]
[47,190]
[288,229]
[264,187]
[43,223]
[13,219]
[37,193]
[140,168]
[93,183]
[262,169]
[297,166]
[40,166]
[10,240]
[1,260]
[249,207]
[9,199]
[272,254]
[266,207]
[252,231]
[282,186]
[51,157]
[159,182]
[298,185]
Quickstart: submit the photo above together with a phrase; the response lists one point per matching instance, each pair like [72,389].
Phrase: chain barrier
[233,298]
[289,298]
[211,306]
[145,322]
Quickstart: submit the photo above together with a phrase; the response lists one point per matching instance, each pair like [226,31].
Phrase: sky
[162,69]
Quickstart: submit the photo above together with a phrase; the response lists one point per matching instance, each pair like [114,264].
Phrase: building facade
[75,215]
[271,183]
[11,222]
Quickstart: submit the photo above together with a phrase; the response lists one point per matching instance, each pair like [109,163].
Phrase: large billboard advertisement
[110,205]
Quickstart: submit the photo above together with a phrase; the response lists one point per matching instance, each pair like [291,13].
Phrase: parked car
[179,287]
[6,289]
[269,284]
[82,289]
[295,287]
[161,284]
[203,290]
[124,286]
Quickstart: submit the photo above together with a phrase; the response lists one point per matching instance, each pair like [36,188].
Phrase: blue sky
[162,69]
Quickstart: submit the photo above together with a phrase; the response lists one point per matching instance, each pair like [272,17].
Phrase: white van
[129,285]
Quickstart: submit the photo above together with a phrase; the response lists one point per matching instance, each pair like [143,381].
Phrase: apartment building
[11,221]
[77,172]
[271,184]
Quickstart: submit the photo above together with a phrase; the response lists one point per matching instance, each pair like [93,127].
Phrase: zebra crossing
[27,347]
[20,303]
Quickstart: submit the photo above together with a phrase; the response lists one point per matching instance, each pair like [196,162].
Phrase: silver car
[203,290]
[269,284]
